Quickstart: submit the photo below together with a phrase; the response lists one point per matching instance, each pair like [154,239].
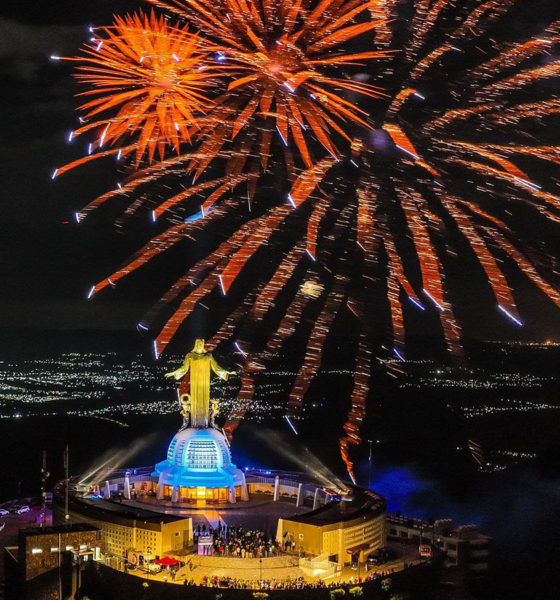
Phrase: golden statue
[199,362]
[214,411]
[185,400]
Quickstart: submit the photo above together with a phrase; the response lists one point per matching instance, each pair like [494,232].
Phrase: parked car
[4,512]
[22,509]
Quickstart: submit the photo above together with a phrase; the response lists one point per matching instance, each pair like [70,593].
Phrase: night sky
[48,262]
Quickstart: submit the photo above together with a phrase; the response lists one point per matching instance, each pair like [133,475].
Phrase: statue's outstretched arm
[181,371]
[221,373]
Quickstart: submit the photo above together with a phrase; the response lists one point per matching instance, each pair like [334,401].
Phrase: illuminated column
[127,486]
[160,487]
[175,496]
[232,494]
[244,491]
[107,492]
[316,499]
[299,501]
[276,488]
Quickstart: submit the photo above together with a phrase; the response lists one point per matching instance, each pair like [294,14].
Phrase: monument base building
[145,514]
[198,468]
[315,523]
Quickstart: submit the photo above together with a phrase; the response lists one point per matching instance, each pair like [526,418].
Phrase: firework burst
[149,82]
[280,53]
[420,174]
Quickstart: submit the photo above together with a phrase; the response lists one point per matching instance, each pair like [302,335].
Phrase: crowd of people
[239,542]
[298,583]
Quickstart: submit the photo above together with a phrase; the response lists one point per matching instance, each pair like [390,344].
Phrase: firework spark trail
[321,327]
[494,274]
[243,244]
[549,199]
[314,350]
[513,56]
[382,10]
[160,244]
[513,83]
[273,287]
[395,264]
[526,267]
[358,400]
[285,329]
[313,226]
[430,267]
[365,226]
[244,400]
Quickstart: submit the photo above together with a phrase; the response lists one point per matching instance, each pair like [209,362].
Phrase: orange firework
[274,67]
[280,53]
[150,83]
[363,212]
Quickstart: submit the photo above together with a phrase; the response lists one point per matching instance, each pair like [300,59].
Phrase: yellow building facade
[149,537]
[339,541]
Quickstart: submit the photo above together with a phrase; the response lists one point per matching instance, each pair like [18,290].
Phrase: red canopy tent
[166,561]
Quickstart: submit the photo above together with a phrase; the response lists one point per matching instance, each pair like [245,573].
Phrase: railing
[408,521]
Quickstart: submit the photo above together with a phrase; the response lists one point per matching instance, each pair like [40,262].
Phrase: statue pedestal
[198,469]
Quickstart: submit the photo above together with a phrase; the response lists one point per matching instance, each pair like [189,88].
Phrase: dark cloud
[22,40]
[25,49]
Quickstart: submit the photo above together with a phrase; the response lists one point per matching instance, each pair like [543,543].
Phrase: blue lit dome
[199,458]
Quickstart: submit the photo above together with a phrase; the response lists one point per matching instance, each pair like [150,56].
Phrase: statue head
[199,346]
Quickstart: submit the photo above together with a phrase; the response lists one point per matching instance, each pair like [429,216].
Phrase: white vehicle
[4,512]
[22,509]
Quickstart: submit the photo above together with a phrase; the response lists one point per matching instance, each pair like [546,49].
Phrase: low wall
[103,583]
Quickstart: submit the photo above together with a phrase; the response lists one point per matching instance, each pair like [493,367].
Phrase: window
[202,454]
[404,534]
[36,551]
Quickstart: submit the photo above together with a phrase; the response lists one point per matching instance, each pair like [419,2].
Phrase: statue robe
[199,364]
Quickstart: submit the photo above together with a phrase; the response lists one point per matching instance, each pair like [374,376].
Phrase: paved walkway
[248,569]
[260,514]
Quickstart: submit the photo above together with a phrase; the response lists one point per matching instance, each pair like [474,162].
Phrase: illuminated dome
[199,459]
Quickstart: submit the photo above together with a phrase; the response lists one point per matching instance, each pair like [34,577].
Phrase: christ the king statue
[198,362]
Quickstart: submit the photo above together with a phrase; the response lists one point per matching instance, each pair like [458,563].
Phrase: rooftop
[52,529]
[362,503]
